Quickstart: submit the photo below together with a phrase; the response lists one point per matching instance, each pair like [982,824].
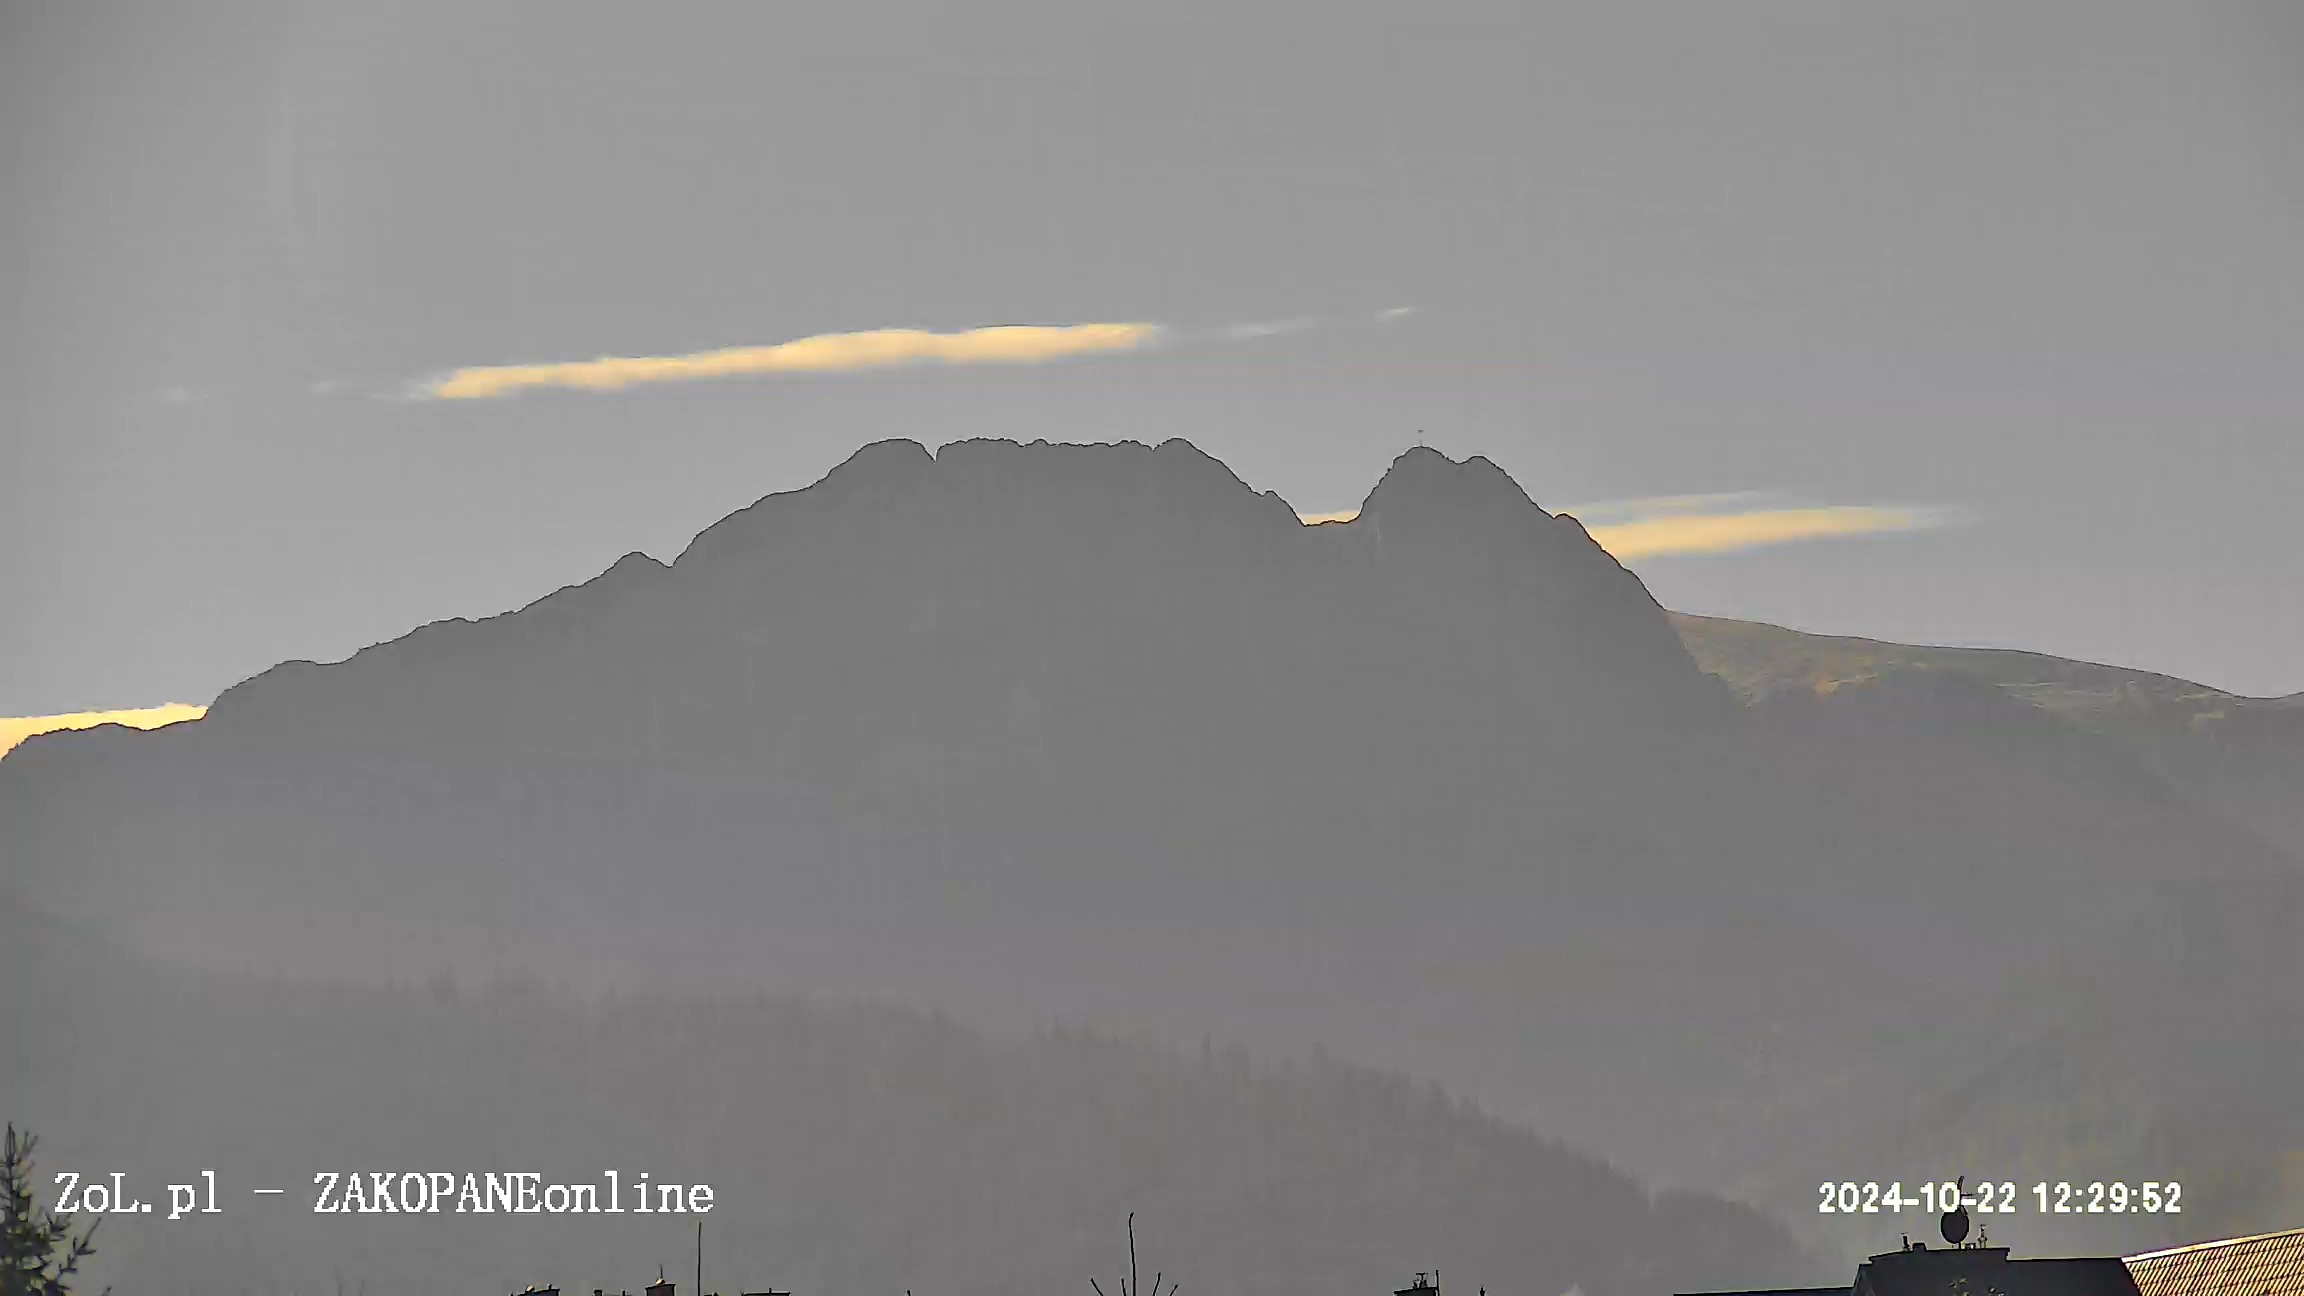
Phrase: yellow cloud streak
[1729,532]
[15,729]
[1685,533]
[825,352]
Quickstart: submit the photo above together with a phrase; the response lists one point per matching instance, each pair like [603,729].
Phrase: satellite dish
[1955,1222]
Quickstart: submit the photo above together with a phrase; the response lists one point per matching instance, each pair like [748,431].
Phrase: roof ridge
[2223,1242]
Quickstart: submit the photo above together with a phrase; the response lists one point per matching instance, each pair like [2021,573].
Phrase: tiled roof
[2269,1264]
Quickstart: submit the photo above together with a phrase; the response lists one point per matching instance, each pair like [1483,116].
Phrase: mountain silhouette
[1043,732]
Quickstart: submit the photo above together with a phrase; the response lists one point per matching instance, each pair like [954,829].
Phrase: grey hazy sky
[2039,262]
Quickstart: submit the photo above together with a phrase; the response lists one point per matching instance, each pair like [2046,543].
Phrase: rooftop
[2267,1264]
[1977,1271]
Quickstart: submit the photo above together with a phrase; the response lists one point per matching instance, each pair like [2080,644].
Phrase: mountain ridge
[1414,481]
[2240,757]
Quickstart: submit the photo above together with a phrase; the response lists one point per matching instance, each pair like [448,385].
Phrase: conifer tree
[38,1253]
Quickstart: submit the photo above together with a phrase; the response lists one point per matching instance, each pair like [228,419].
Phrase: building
[2268,1264]
[1919,1270]
[660,1287]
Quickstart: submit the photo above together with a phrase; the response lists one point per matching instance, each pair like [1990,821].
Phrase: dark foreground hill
[851,1149]
[1099,733]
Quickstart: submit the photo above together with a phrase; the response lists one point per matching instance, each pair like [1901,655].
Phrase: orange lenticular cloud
[822,353]
[1704,524]
[1690,533]
[15,729]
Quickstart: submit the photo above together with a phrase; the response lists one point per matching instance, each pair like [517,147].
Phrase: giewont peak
[1424,483]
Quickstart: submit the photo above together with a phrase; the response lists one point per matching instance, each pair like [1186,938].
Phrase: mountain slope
[1098,732]
[2242,757]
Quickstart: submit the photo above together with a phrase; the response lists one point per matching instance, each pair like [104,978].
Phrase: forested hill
[851,1149]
